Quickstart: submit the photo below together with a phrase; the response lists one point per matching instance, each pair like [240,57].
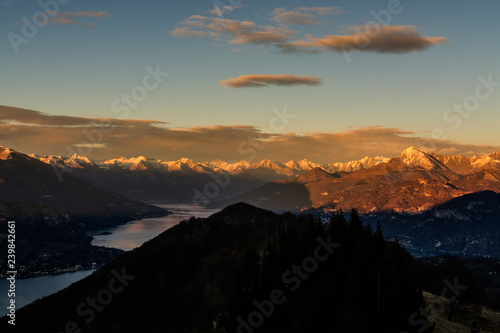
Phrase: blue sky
[80,62]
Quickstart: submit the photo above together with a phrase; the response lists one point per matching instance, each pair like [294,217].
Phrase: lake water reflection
[134,234]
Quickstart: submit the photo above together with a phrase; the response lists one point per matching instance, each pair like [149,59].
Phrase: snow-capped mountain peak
[78,161]
[5,153]
[418,158]
[306,164]
[413,153]
[124,162]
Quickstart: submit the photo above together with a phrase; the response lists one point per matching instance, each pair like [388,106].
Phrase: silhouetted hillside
[217,274]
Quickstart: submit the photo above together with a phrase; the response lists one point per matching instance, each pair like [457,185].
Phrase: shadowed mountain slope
[23,178]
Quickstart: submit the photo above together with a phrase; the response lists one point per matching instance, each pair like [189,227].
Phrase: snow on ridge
[419,158]
[5,153]
[411,156]
[291,168]
[464,164]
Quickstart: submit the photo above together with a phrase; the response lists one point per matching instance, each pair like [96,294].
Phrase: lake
[28,290]
[135,233]
[125,237]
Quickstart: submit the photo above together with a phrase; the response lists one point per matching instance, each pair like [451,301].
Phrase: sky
[324,80]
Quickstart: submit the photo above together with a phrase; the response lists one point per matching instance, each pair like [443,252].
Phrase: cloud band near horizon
[31,131]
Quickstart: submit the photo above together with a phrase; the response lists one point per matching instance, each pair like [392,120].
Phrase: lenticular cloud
[255,80]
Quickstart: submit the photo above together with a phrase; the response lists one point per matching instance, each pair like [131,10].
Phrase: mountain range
[412,180]
[141,163]
[408,187]
[155,180]
[412,156]
[23,178]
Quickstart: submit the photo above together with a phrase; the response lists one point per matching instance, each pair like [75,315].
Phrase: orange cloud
[13,115]
[61,20]
[374,38]
[294,17]
[322,10]
[66,18]
[256,80]
[262,37]
[188,33]
[90,13]
[303,15]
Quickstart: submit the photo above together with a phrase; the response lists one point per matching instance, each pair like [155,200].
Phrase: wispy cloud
[369,38]
[256,80]
[378,39]
[189,33]
[303,15]
[68,18]
[90,13]
[233,31]
[9,115]
[224,9]
[34,132]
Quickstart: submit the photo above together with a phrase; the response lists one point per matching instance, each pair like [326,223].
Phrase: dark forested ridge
[249,270]
[468,225]
[48,240]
